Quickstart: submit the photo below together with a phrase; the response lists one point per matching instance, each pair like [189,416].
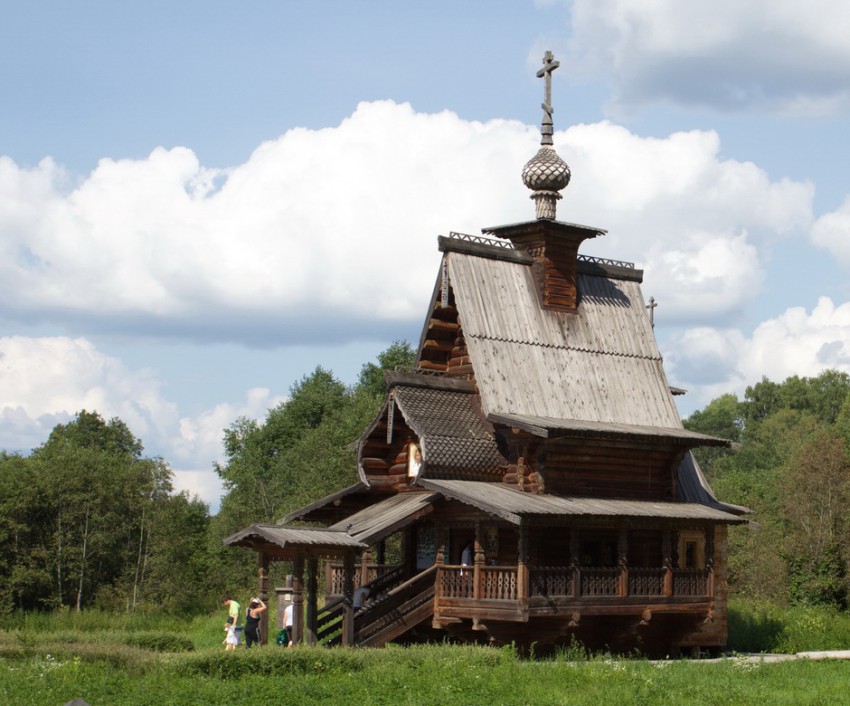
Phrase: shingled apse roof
[455,438]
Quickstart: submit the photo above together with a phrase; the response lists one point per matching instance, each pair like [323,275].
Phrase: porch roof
[292,538]
[514,505]
[358,531]
[378,521]
[308,512]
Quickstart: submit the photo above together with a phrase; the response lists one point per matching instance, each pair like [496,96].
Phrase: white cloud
[832,232]
[201,436]
[782,55]
[710,362]
[696,222]
[46,381]
[204,483]
[325,233]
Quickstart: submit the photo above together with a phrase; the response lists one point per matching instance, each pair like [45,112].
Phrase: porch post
[348,593]
[575,571]
[439,562]
[667,551]
[312,604]
[477,563]
[709,560]
[522,572]
[382,552]
[365,560]
[623,562]
[263,594]
[298,599]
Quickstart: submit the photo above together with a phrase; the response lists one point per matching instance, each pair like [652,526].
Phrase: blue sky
[201,201]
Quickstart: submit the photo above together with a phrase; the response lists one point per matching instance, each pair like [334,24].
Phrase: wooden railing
[335,577]
[395,606]
[499,583]
[691,582]
[329,622]
[600,582]
[552,581]
[455,581]
[646,582]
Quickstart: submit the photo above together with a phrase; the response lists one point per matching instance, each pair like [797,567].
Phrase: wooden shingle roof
[599,364]
[513,505]
[456,439]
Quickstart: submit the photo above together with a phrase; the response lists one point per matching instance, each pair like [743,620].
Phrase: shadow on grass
[754,630]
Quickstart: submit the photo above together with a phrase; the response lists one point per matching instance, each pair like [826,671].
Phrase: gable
[599,364]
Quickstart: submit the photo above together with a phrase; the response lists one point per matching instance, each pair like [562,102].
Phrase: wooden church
[531,474]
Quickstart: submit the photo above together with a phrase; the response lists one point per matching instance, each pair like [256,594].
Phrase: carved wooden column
[667,553]
[348,593]
[298,599]
[263,594]
[574,568]
[478,576]
[522,570]
[312,599]
[623,562]
[439,562]
[365,560]
[709,560]
[477,565]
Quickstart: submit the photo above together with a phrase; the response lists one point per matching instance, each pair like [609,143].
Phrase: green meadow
[120,659]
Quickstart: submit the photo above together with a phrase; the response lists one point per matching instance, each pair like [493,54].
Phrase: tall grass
[762,627]
[104,658]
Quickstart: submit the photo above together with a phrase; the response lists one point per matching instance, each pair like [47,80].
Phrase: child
[232,639]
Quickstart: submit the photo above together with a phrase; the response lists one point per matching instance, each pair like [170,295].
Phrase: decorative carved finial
[546,173]
[547,127]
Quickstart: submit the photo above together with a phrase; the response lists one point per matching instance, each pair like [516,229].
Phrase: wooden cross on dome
[546,128]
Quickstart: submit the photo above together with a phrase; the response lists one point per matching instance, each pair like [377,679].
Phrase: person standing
[287,624]
[232,624]
[252,621]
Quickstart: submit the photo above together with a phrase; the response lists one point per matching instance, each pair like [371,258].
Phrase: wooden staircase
[386,617]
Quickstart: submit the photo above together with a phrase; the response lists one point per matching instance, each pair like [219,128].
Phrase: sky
[201,201]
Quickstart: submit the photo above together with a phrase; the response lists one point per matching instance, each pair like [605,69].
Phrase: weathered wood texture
[600,364]
[589,468]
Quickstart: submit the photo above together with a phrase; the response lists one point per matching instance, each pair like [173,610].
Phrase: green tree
[303,450]
[720,418]
[399,356]
[815,491]
[81,516]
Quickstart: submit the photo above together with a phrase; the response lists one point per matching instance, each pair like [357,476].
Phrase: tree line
[789,464]
[87,520]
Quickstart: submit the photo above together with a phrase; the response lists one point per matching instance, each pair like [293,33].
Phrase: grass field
[105,659]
